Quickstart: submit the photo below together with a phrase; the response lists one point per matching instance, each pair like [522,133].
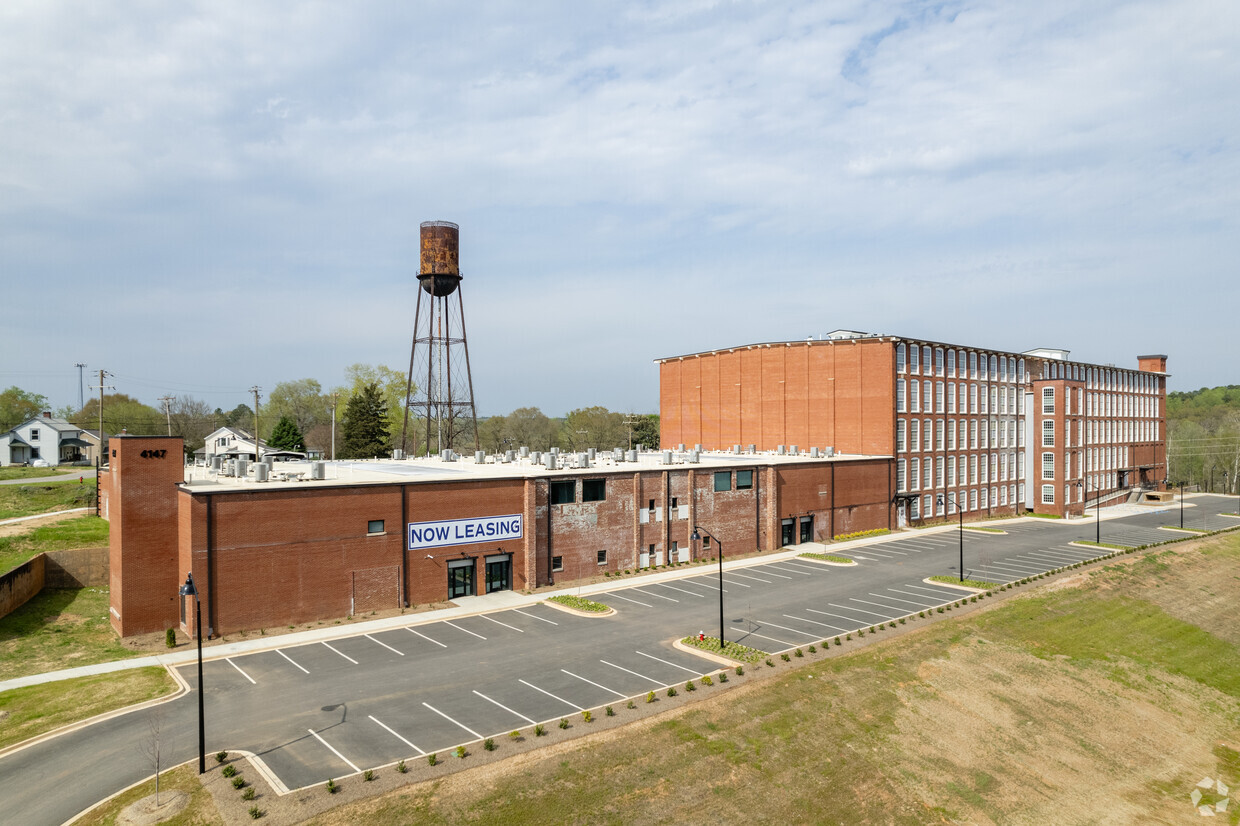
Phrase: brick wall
[21,584]
[78,568]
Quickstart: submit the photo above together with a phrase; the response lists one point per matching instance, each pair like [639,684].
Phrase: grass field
[58,629]
[1104,696]
[7,473]
[37,709]
[73,532]
[44,497]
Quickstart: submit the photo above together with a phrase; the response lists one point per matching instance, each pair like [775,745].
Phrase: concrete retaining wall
[79,568]
[20,584]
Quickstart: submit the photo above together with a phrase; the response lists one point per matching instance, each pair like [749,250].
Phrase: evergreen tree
[287,436]
[365,427]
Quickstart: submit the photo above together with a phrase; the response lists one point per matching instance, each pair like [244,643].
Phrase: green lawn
[76,532]
[58,629]
[35,472]
[45,497]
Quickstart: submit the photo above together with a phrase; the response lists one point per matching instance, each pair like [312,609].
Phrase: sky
[202,197]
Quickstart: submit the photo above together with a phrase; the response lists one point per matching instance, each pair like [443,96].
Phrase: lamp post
[1181,504]
[189,590]
[960,513]
[697,535]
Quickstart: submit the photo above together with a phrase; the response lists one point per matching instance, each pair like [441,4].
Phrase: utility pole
[167,400]
[334,402]
[258,453]
[630,419]
[81,397]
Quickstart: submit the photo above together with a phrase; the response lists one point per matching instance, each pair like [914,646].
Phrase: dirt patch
[148,812]
[28,526]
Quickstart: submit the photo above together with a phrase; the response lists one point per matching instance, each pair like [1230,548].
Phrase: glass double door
[499,575]
[461,581]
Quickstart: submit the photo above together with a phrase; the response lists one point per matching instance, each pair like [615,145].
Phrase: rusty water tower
[439,395]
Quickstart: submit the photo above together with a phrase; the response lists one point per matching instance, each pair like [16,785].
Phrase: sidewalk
[499,601]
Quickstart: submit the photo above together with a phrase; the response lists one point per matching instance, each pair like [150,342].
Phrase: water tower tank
[441,271]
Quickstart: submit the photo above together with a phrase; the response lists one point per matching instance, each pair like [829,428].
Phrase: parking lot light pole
[189,590]
[1181,504]
[960,512]
[697,535]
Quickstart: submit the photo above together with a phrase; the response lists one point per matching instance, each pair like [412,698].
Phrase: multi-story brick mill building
[968,427]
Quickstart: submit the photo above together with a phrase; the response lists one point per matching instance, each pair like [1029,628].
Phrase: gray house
[45,441]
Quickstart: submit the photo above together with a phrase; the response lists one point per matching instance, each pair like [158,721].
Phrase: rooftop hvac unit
[698,448]
[794,450]
[640,447]
[617,455]
[736,449]
[583,460]
[243,467]
[752,449]
[780,450]
[397,453]
[480,457]
[317,471]
[695,456]
[216,461]
[813,453]
[260,472]
[536,458]
[525,451]
[590,454]
[681,447]
[551,461]
[830,451]
[555,451]
[508,456]
[631,456]
[667,457]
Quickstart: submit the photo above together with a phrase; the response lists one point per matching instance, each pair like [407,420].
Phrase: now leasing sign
[445,532]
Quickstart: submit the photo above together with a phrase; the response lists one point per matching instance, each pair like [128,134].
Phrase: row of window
[953,471]
[937,397]
[920,434]
[977,499]
[564,491]
[1103,378]
[1093,459]
[951,362]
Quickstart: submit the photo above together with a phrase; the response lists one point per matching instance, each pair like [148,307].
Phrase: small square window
[34,434]
[593,490]
[557,563]
[705,543]
[675,502]
[723,480]
[744,480]
[374,526]
[602,557]
[563,493]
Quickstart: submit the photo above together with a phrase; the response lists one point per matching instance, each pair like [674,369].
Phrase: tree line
[1203,437]
[368,412]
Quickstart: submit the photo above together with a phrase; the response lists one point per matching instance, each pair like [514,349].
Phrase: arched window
[900,355]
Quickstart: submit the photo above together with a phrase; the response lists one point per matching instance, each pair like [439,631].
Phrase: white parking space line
[653,594]
[691,593]
[552,696]
[591,682]
[466,630]
[837,616]
[766,569]
[397,736]
[384,644]
[690,582]
[535,616]
[1053,554]
[747,576]
[504,707]
[911,594]
[879,604]
[873,552]
[634,673]
[851,608]
[450,720]
[707,584]
[239,671]
[626,599]
[943,593]
[765,637]
[352,765]
[665,662]
[764,623]
[346,656]
[895,599]
[815,622]
[290,659]
[1026,567]
[428,639]
[795,571]
[506,625]
[804,566]
[734,582]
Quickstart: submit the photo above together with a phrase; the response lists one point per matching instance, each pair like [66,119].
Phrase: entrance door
[786,533]
[807,529]
[461,581]
[499,575]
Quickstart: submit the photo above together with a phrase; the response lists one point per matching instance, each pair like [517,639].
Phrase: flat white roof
[464,469]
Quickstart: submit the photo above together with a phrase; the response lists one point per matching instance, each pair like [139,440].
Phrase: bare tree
[157,740]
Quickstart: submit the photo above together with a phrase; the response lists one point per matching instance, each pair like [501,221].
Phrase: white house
[44,440]
[235,443]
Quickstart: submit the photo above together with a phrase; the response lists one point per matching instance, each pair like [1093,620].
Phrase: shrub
[238,782]
[847,636]
[689,686]
[460,752]
[871,629]
[770,663]
[891,624]
[229,770]
[740,671]
[563,723]
[901,620]
[837,641]
[170,638]
[723,676]
[539,730]
[606,573]
[706,680]
[921,614]
[587,717]
[797,653]
[785,657]
[813,650]
[671,691]
[255,813]
[860,632]
[248,794]
[579,603]
[630,704]
[609,711]
[221,756]
[332,788]
[432,758]
[489,744]
[650,697]
[401,767]
[368,775]
[939,609]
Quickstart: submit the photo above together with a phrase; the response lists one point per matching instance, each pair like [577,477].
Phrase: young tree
[287,436]
[365,429]
[646,431]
